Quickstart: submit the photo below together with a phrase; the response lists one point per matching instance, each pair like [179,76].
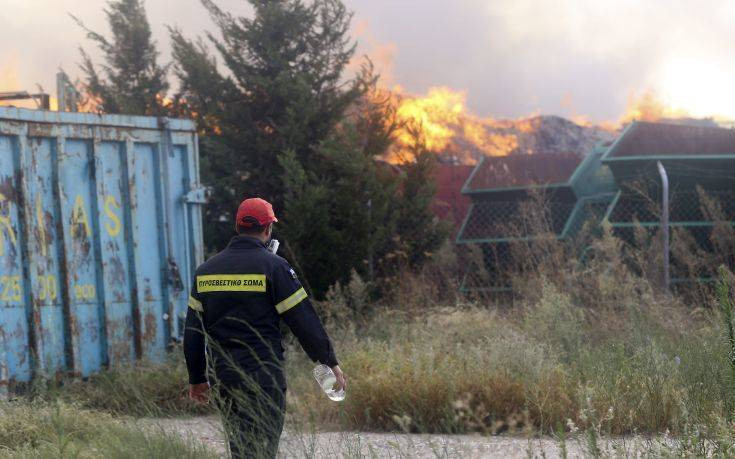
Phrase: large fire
[9,76]
[9,82]
[445,126]
[441,121]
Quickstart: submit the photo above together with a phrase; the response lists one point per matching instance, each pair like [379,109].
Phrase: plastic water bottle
[326,379]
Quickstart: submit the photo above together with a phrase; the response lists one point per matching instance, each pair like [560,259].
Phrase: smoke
[382,55]
[575,58]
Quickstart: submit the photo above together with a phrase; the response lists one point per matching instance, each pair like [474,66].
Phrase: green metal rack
[576,189]
[617,182]
[700,164]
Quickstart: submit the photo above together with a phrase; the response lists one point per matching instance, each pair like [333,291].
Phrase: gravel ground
[382,445]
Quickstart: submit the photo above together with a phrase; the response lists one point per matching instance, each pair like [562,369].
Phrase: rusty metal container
[100,231]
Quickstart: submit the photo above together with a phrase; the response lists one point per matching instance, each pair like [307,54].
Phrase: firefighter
[237,301]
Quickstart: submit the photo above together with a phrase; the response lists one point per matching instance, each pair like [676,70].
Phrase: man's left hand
[341,379]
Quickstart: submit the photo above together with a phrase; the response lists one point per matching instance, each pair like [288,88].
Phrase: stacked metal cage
[574,190]
[617,182]
[700,164]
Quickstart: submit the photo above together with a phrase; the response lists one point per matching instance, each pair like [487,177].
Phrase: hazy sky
[511,57]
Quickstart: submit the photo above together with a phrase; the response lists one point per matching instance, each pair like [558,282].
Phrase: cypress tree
[131,80]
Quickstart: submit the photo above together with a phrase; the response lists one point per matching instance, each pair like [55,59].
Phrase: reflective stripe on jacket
[237,300]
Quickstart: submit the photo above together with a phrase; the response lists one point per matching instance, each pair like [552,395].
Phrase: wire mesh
[696,252]
[693,205]
[491,265]
[591,213]
[513,219]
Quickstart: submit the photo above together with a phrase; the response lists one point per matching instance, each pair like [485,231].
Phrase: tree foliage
[132,81]
[340,205]
[281,93]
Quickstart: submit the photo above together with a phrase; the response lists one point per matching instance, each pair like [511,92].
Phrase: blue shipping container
[100,231]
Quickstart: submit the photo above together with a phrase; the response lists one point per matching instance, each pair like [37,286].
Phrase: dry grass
[144,389]
[630,361]
[593,346]
[474,370]
[55,430]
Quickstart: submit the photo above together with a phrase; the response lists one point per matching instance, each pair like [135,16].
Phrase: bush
[478,374]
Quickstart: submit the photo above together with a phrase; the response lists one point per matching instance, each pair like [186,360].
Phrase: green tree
[347,211]
[208,97]
[421,232]
[282,123]
[340,207]
[132,82]
[282,93]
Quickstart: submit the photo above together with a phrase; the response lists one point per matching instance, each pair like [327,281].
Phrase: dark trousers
[253,419]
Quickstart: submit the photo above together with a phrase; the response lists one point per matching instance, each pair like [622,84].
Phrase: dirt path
[382,445]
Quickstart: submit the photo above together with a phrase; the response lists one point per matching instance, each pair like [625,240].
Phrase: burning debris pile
[459,137]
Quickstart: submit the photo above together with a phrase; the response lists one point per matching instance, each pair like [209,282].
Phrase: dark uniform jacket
[237,301]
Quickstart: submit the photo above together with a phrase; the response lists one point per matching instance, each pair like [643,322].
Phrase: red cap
[255,210]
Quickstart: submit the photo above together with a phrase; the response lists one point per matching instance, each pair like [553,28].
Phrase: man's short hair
[251,227]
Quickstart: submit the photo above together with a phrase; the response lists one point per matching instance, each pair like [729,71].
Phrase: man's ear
[269,230]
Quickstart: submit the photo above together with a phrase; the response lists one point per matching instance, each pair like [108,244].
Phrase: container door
[115,248]
[79,206]
[179,184]
[14,344]
[44,244]
[147,231]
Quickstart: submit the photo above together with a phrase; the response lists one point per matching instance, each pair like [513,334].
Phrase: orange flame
[9,75]
[435,114]
[447,127]
[649,107]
